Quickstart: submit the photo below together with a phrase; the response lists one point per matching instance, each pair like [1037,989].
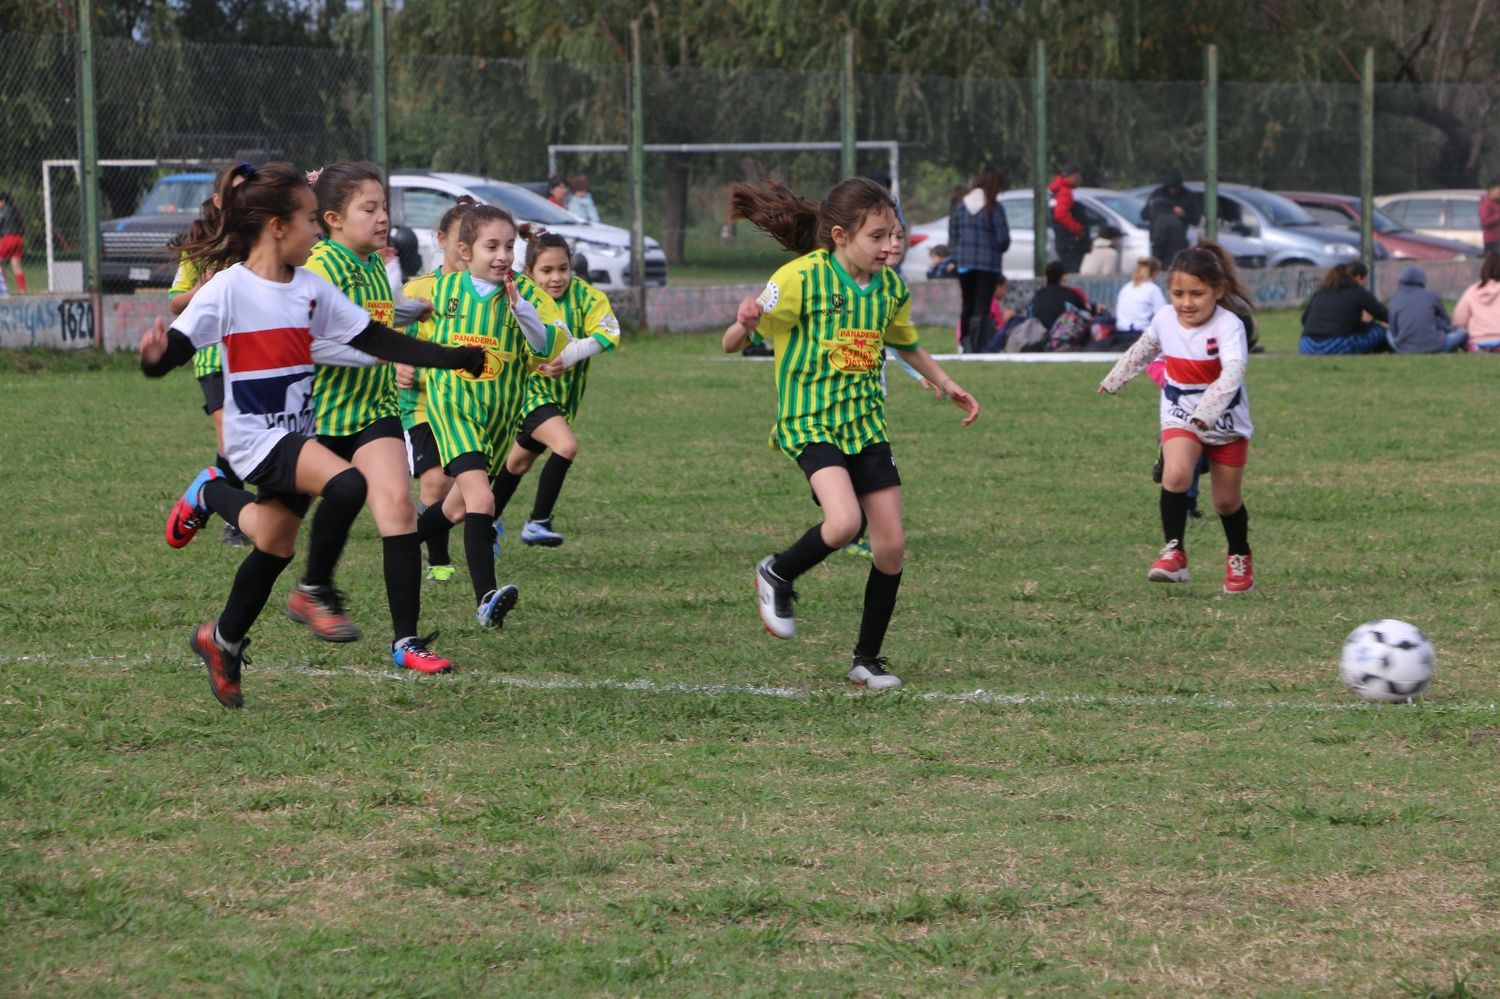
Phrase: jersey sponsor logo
[854,351]
[494,357]
[383,312]
[768,297]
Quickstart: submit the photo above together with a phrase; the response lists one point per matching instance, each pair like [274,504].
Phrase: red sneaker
[1170,566]
[322,610]
[414,654]
[1239,576]
[188,513]
[223,665]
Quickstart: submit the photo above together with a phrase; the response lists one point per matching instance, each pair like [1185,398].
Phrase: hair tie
[246,170]
[312,177]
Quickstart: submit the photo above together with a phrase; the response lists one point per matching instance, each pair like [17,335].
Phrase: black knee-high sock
[880,603]
[226,500]
[503,485]
[248,596]
[549,485]
[342,498]
[1174,513]
[223,465]
[479,551]
[806,552]
[433,527]
[1237,530]
[403,583]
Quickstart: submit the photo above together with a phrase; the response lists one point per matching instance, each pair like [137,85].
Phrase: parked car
[420,197]
[134,250]
[1097,206]
[1445,214]
[1402,243]
[1261,228]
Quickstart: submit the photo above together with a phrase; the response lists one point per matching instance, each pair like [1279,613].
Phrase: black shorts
[276,477]
[213,392]
[469,461]
[534,419]
[344,447]
[872,469]
[422,448]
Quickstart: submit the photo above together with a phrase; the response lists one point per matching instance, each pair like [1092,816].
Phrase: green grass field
[1167,792]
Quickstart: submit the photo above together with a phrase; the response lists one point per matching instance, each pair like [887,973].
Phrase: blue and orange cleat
[413,654]
[188,513]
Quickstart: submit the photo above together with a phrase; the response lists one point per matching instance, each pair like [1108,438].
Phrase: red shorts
[11,247]
[1232,454]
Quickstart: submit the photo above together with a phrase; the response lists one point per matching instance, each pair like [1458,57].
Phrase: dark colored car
[134,250]
[1402,243]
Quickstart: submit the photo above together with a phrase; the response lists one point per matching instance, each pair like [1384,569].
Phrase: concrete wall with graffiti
[62,322]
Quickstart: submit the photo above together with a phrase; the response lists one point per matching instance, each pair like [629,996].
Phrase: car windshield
[1279,210]
[1124,205]
[524,205]
[1385,225]
[185,196]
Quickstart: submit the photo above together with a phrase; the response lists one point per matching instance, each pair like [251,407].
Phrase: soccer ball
[1389,661]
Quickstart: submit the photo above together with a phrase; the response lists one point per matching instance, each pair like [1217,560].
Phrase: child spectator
[579,201]
[940,264]
[1139,301]
[1052,299]
[1478,310]
[1419,322]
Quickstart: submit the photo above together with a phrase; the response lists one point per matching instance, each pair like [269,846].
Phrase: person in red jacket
[1068,229]
[1489,217]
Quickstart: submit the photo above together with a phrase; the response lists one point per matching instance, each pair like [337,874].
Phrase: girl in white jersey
[272,318]
[1204,406]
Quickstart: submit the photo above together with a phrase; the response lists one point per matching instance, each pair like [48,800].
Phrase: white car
[601,252]
[1445,214]
[1097,206]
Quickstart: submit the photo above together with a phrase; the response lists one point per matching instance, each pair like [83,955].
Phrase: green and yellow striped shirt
[413,400]
[349,399]
[830,335]
[587,313]
[208,360]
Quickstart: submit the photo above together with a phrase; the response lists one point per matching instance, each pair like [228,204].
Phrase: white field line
[1066,357]
[659,688]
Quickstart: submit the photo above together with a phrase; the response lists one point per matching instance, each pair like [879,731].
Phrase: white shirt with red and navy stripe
[1205,373]
[267,329]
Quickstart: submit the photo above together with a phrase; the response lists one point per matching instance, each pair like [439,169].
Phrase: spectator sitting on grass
[1052,299]
[1478,310]
[940,264]
[1341,316]
[1419,322]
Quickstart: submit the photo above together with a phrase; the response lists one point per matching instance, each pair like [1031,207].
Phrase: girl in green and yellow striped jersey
[432,482]
[473,417]
[358,418]
[551,403]
[831,313]
[207,366]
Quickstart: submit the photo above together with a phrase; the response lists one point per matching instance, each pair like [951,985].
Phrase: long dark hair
[337,183]
[801,226]
[459,209]
[1490,269]
[540,243]
[1211,263]
[268,192]
[1342,275]
[991,182]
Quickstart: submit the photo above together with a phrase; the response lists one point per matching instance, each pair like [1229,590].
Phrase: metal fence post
[378,98]
[88,150]
[848,164]
[637,168]
[1039,165]
[1210,144]
[1367,165]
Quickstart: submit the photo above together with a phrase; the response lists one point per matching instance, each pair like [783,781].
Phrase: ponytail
[265,193]
[801,226]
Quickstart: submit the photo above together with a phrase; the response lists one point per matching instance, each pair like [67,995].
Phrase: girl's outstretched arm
[746,318]
[1136,359]
[938,378]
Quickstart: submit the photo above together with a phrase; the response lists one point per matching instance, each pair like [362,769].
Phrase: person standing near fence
[978,237]
[1170,210]
[12,240]
[1068,229]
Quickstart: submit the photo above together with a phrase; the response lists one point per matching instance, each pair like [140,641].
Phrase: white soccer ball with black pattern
[1389,661]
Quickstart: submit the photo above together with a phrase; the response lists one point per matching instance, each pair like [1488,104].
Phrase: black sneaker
[1157,468]
[776,598]
[870,672]
[233,537]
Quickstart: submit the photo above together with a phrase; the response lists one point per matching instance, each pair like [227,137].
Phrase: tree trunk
[674,226]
